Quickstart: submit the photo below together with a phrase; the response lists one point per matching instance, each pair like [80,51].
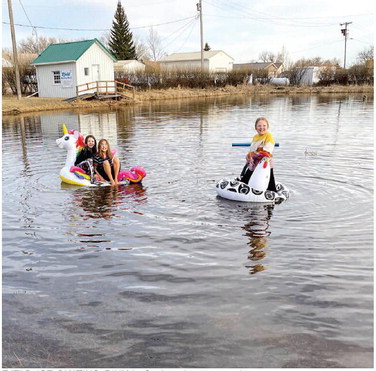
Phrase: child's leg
[245,174]
[107,170]
[245,168]
[116,168]
[271,185]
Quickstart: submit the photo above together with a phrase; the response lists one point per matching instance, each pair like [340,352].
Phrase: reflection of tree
[257,231]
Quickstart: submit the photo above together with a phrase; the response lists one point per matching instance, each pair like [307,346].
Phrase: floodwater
[166,274]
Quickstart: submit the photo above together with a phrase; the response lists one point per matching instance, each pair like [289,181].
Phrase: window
[56,77]
[86,71]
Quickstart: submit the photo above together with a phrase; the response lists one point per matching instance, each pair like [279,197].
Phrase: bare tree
[365,55]
[283,57]
[267,56]
[105,38]
[27,76]
[316,61]
[301,66]
[280,57]
[33,45]
[155,45]
[142,50]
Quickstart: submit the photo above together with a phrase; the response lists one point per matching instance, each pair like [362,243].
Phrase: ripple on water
[170,252]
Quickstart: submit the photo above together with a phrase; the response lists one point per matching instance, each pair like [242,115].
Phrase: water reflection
[257,229]
[98,203]
[106,202]
[189,250]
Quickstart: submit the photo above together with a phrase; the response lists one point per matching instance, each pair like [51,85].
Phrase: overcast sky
[242,28]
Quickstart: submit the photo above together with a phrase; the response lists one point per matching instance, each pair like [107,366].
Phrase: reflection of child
[262,145]
[105,164]
[84,159]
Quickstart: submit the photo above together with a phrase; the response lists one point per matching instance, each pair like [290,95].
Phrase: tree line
[122,44]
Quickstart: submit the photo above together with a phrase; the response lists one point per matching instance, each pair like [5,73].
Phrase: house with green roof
[61,67]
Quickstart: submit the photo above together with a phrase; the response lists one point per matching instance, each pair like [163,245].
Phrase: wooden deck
[103,90]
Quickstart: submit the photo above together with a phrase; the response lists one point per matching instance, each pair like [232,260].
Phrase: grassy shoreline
[12,106]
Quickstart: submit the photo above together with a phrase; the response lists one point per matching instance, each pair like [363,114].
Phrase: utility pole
[345,33]
[14,45]
[199,9]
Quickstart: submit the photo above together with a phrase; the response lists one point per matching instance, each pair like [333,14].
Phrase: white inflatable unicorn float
[71,174]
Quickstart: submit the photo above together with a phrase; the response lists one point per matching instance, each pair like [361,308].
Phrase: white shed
[129,66]
[309,75]
[61,67]
[213,61]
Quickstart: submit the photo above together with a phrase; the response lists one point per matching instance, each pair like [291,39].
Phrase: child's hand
[250,159]
[249,156]
[98,178]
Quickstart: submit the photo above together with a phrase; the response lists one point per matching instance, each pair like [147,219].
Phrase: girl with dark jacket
[84,159]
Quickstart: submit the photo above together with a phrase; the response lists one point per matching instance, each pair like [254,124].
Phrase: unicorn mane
[80,143]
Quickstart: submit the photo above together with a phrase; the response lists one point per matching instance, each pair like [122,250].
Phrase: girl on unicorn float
[262,145]
[89,151]
[106,165]
[84,159]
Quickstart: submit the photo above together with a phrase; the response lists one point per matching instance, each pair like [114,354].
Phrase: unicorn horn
[65,130]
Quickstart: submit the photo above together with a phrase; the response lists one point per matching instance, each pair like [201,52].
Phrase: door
[95,72]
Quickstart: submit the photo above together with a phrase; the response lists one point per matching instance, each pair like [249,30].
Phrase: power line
[23,8]
[364,32]
[260,17]
[97,29]
[266,18]
[180,30]
[316,46]
[162,24]
[268,21]
[60,28]
[34,28]
[186,25]
[361,41]
[189,34]
[229,5]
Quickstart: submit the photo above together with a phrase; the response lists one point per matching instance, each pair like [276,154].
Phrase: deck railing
[108,87]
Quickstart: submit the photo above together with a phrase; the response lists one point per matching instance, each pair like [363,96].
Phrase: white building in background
[309,75]
[129,66]
[213,61]
[99,124]
[61,67]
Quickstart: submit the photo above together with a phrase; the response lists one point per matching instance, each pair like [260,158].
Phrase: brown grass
[12,106]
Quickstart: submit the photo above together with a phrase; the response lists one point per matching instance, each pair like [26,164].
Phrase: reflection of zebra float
[256,189]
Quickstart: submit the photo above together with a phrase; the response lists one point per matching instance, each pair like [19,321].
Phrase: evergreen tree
[207,47]
[121,43]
